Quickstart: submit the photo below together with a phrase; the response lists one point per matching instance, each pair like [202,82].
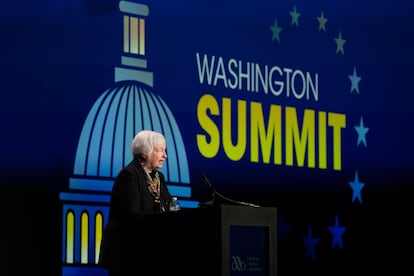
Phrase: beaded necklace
[154,185]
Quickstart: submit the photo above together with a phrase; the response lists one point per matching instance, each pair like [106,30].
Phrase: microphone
[206,182]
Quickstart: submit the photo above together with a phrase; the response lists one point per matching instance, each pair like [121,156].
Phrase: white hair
[145,141]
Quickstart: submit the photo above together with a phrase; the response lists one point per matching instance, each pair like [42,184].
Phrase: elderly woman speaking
[139,189]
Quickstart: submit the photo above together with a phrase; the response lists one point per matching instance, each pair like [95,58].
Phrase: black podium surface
[216,240]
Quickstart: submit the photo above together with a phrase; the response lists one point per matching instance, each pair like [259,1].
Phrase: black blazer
[130,200]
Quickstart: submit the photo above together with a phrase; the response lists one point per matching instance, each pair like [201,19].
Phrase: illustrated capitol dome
[104,148]
[105,142]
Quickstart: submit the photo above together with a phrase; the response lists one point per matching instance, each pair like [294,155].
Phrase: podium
[220,240]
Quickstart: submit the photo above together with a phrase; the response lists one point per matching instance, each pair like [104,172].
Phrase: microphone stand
[206,182]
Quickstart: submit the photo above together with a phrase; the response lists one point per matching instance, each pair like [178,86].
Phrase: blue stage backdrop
[305,106]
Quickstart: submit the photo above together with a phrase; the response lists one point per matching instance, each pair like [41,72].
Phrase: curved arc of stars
[361,130]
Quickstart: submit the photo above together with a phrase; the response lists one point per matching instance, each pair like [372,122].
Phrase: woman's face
[156,158]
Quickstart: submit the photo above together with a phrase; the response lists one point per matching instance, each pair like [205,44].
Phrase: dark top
[130,201]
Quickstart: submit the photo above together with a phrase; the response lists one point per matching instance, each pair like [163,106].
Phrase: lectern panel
[220,240]
[249,256]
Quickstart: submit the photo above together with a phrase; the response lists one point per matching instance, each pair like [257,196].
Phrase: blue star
[322,22]
[310,244]
[283,227]
[275,31]
[340,43]
[337,232]
[295,16]
[362,131]
[356,188]
[354,81]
